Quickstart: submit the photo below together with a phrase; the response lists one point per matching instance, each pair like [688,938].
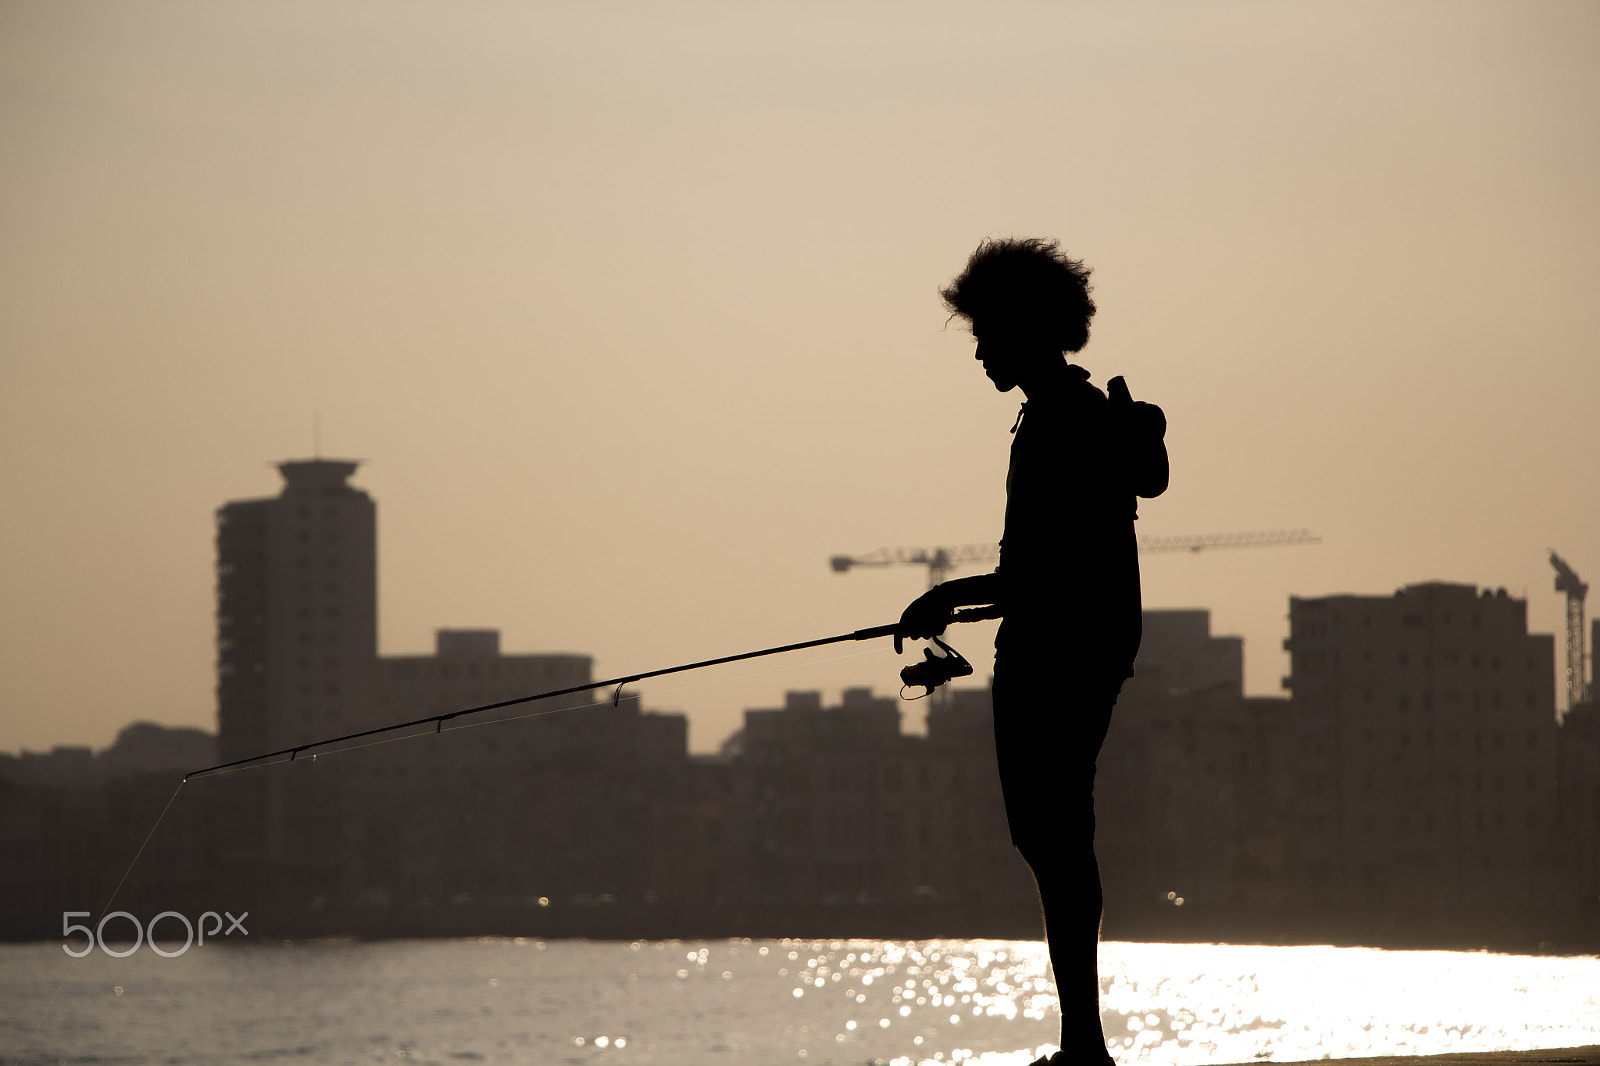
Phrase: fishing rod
[930,673]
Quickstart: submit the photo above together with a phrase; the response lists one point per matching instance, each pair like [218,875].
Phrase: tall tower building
[297,609]
[297,662]
[296,652]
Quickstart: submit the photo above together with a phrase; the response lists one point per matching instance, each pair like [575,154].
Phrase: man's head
[1026,286]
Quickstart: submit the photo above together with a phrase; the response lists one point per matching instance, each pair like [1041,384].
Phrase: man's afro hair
[1029,282]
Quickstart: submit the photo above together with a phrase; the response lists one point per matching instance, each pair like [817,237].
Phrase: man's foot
[1063,1058]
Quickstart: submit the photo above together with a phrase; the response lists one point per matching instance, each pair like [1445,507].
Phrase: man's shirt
[1068,558]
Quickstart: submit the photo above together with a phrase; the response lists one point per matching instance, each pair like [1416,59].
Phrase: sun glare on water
[1184,1004]
[816,1002]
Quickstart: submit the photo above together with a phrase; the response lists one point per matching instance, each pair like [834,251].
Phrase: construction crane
[1271,538]
[1568,581]
[940,561]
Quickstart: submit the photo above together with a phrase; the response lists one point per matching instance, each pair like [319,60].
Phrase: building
[1193,787]
[1579,752]
[1424,749]
[561,801]
[1178,653]
[140,748]
[836,806]
[71,819]
[813,786]
[515,803]
[979,867]
[297,627]
[297,610]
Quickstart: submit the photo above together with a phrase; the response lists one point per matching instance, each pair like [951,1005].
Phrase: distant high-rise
[297,663]
[297,609]
[1424,736]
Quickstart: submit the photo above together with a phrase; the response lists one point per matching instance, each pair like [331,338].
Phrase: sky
[630,312]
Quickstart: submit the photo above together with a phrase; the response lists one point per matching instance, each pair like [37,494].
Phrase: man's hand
[927,616]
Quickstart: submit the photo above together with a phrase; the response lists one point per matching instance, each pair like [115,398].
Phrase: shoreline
[1551,1056]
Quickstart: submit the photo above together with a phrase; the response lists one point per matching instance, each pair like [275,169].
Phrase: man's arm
[929,614]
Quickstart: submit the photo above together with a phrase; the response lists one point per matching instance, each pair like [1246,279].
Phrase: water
[816,1003]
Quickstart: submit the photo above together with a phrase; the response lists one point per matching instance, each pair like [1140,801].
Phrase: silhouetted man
[1067,587]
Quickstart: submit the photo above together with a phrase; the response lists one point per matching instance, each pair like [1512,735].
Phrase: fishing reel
[935,670]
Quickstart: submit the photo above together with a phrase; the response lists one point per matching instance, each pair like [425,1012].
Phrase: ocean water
[761,1003]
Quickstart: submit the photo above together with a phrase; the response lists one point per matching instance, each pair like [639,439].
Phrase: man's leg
[1047,749]
[1069,894]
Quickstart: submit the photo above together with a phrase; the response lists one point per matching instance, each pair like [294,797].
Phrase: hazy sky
[630,310]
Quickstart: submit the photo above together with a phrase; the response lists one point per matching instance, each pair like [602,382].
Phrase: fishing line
[438,720]
[48,1007]
[639,695]
[159,819]
[539,713]
[789,668]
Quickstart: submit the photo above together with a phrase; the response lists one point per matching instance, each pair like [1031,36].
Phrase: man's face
[1009,355]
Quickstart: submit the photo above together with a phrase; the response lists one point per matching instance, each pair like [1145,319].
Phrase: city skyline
[1413,790]
[635,320]
[343,469]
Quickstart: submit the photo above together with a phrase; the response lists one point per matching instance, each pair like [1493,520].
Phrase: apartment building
[1424,750]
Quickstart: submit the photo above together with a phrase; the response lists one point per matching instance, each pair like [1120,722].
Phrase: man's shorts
[1051,714]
